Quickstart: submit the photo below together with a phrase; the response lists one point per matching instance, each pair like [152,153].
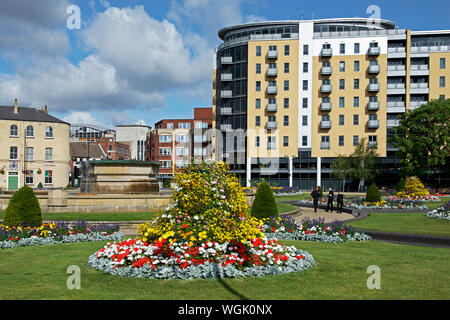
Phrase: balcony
[374,87]
[373,106]
[271,146]
[374,69]
[225,127]
[226,60]
[325,88]
[272,54]
[272,72]
[419,88]
[374,51]
[396,52]
[226,94]
[325,106]
[325,124]
[271,107]
[272,90]
[419,70]
[326,71]
[372,144]
[396,107]
[416,104]
[326,52]
[396,88]
[373,124]
[396,70]
[226,111]
[324,145]
[271,125]
[393,123]
[226,77]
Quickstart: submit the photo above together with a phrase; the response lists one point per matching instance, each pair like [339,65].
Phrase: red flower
[184,226]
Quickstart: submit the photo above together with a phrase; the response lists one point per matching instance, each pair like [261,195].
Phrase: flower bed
[442,213]
[400,196]
[162,259]
[285,228]
[56,232]
[382,205]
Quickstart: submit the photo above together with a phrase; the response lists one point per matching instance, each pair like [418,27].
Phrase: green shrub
[40,186]
[23,208]
[166,183]
[264,205]
[373,194]
[68,187]
[400,185]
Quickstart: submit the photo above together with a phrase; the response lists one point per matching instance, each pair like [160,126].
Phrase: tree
[264,205]
[423,137]
[23,208]
[373,194]
[400,185]
[365,162]
[342,168]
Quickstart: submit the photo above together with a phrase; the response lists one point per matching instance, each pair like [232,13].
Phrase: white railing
[396,86]
[226,94]
[271,107]
[373,124]
[226,77]
[427,49]
[325,124]
[397,68]
[359,33]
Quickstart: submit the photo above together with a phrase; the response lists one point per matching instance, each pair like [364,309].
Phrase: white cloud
[79,117]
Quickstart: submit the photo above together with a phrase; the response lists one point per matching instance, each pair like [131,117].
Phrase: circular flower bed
[442,213]
[285,228]
[56,232]
[206,232]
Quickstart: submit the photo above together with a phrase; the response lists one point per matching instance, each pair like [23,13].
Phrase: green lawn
[95,216]
[434,205]
[407,272]
[292,198]
[415,223]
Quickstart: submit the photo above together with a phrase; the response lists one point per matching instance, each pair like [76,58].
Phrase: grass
[410,223]
[434,205]
[95,216]
[407,272]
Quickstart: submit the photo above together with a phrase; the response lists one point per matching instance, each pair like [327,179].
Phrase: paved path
[308,213]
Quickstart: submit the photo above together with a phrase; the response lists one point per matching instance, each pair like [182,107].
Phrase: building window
[286,67]
[258,103]
[355,119]
[184,125]
[286,50]
[181,151]
[373,141]
[13,131]
[166,164]
[13,154]
[341,84]
[258,51]
[165,139]
[182,138]
[442,97]
[258,68]
[342,48]
[305,67]
[342,66]
[442,63]
[258,85]
[48,177]
[355,140]
[30,132]
[29,177]
[29,154]
[304,120]
[271,143]
[286,121]
[286,85]
[257,121]
[341,119]
[356,84]
[356,102]
[442,82]
[304,141]
[325,142]
[286,103]
[49,132]
[341,102]
[341,141]
[356,47]
[257,141]
[305,103]
[305,49]
[356,66]
[305,85]
[169,125]
[48,154]
[165,151]
[285,141]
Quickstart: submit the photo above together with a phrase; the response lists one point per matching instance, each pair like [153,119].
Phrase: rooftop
[27,114]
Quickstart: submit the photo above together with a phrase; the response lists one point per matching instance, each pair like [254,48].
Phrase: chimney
[44,109]
[16,106]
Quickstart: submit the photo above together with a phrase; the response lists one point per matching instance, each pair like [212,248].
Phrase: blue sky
[144,60]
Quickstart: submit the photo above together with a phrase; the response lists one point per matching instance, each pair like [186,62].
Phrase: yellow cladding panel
[290,130]
[436,73]
[348,130]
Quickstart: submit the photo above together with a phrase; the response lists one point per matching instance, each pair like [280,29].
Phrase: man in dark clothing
[340,201]
[330,199]
[315,194]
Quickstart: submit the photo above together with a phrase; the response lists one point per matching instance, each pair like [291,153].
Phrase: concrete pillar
[248,172]
[290,171]
[319,170]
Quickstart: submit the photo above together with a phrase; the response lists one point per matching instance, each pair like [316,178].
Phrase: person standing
[315,194]
[330,199]
[340,201]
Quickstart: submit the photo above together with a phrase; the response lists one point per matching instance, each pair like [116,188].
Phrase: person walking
[315,194]
[340,201]
[330,199]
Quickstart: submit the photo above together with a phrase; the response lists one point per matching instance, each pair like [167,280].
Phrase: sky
[140,61]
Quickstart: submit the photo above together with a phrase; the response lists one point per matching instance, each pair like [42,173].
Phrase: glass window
[305,103]
[304,120]
[305,67]
[356,84]
[442,63]
[341,119]
[165,151]
[258,68]
[165,138]
[257,141]
[342,66]
[305,85]
[29,154]
[341,141]
[49,132]
[342,48]
[305,49]
[356,102]
[285,141]
[258,103]
[356,47]
[286,103]
[286,121]
[184,125]
[304,141]
[169,125]
[286,85]
[48,177]
[442,82]
[341,84]
[355,140]
[355,119]
[257,121]
[29,177]
[48,154]
[13,153]
[258,85]
[13,131]
[258,51]
[356,66]
[30,131]
[341,102]
[286,50]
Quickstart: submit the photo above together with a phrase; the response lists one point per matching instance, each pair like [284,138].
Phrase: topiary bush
[400,185]
[414,186]
[264,205]
[23,209]
[373,194]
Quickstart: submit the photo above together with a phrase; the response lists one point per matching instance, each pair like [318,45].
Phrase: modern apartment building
[34,149]
[176,142]
[135,136]
[305,91]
